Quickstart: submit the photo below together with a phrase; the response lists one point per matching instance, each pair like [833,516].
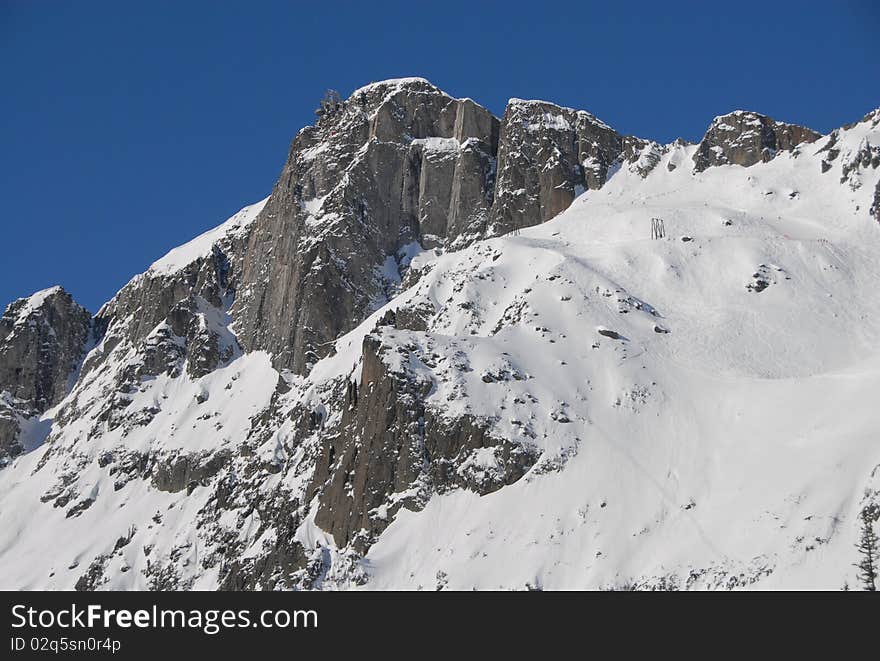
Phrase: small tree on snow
[331,101]
[868,547]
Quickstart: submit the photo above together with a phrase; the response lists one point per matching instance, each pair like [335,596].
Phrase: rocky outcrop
[448,188]
[398,163]
[745,138]
[643,155]
[853,161]
[547,156]
[170,320]
[830,150]
[402,164]
[186,471]
[391,450]
[164,321]
[189,303]
[875,206]
[42,341]
[42,338]
[10,428]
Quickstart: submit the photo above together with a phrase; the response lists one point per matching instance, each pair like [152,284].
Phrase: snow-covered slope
[727,437]
[695,411]
[201,246]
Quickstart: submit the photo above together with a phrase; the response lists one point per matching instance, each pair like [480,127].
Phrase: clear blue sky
[127,128]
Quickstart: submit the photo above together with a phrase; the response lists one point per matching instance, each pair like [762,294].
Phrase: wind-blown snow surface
[34,302]
[722,432]
[201,246]
[739,443]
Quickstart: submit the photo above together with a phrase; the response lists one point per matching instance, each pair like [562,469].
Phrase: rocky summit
[454,351]
[43,339]
[746,138]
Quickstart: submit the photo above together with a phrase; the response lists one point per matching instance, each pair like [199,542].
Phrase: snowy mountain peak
[395,84]
[554,115]
[26,310]
[872,118]
[23,308]
[42,341]
[452,350]
[201,246]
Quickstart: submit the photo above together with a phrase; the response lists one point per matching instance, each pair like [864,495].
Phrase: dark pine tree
[868,547]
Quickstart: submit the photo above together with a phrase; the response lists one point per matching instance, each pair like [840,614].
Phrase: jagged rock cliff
[745,138]
[397,164]
[42,341]
[395,336]
[176,314]
[389,450]
[548,156]
[875,205]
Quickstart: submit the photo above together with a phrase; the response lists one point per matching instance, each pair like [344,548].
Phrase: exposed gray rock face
[174,320]
[42,341]
[187,300]
[547,156]
[875,206]
[745,138]
[399,162]
[830,149]
[390,451]
[10,427]
[853,162]
[185,471]
[642,155]
[402,163]
[163,322]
